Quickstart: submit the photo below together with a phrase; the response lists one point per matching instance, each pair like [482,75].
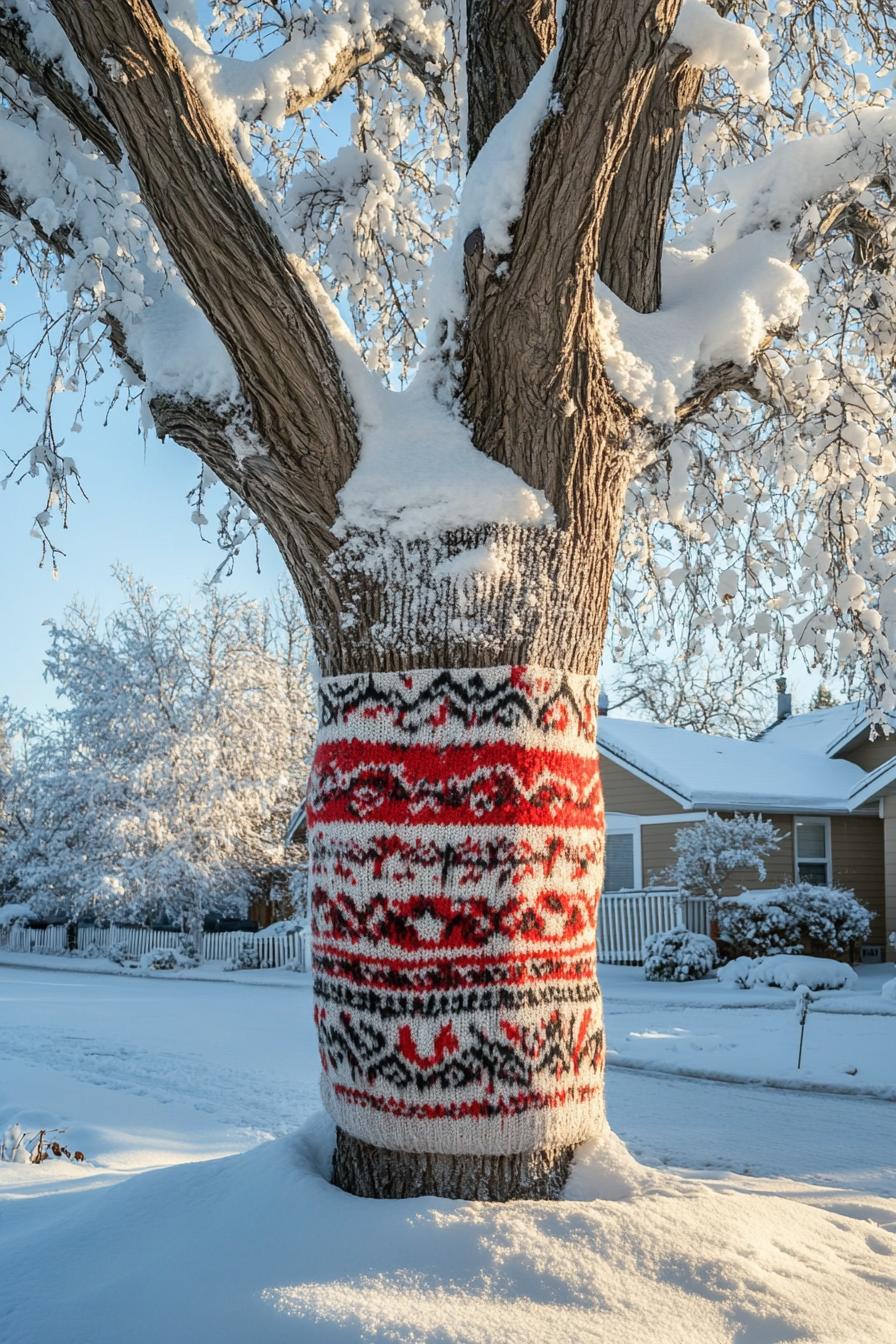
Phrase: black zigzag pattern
[486,1061]
[467,699]
[402,1007]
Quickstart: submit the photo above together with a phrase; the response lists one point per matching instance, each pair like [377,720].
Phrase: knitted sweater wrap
[456,835]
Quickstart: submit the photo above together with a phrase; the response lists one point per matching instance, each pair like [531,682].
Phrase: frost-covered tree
[161,787]
[633,262]
[823,698]
[708,852]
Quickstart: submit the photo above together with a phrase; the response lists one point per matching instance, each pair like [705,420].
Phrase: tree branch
[630,247]
[59,241]
[227,252]
[388,41]
[534,388]
[46,77]
[507,41]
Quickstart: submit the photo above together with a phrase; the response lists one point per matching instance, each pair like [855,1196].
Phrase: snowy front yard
[149,1076]
[706,1030]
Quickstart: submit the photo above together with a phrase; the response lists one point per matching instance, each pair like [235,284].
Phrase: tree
[664,324]
[708,852]
[823,698]
[702,694]
[161,787]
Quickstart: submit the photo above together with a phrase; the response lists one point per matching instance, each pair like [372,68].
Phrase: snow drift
[260,1247]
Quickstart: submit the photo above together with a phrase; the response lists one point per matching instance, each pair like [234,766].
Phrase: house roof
[700,770]
[826,731]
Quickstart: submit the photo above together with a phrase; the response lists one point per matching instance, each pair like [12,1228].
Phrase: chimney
[603,705]
[785,702]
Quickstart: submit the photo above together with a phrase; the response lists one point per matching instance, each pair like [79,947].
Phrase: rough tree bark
[532,387]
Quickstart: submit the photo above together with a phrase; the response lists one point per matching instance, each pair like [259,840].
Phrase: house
[829,788]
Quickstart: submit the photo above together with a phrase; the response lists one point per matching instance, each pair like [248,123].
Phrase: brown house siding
[857,844]
[869,755]
[625,792]
[857,847]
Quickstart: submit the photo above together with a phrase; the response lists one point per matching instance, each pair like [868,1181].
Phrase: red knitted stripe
[455,973]
[499,784]
[517,1104]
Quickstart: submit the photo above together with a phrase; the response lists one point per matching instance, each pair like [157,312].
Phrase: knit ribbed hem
[569,1124]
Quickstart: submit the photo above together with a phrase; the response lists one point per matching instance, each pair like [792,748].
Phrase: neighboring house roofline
[776,780]
[877,781]
[604,749]
[297,827]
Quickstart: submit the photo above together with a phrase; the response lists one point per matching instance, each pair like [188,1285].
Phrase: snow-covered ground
[786,1233]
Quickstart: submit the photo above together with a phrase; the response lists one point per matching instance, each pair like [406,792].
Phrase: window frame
[624,823]
[829,860]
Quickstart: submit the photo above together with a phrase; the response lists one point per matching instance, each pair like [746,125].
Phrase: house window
[620,862]
[812,845]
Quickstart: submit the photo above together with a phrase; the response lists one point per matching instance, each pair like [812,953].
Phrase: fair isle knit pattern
[456,836]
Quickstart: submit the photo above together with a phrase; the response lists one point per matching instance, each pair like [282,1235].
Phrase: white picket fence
[274,949]
[19,938]
[626,918]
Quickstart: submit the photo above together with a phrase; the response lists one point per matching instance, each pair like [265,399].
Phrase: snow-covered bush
[15,912]
[165,959]
[245,958]
[678,954]
[191,948]
[119,953]
[790,919]
[888,990]
[707,853]
[92,951]
[787,972]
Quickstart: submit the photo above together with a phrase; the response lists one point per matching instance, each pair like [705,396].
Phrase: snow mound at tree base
[259,1248]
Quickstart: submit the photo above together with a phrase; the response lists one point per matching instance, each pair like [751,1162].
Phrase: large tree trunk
[455,822]
[456,839]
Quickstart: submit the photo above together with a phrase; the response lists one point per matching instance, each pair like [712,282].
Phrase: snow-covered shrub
[165,959]
[189,949]
[119,953]
[678,954]
[245,958]
[17,1146]
[790,919]
[94,950]
[707,853]
[785,971]
[888,990]
[15,912]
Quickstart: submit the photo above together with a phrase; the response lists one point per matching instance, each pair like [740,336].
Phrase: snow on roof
[702,770]
[821,730]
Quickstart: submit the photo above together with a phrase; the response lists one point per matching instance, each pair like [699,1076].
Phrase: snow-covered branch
[736,283]
[315,60]
[222,243]
[45,70]
[713,42]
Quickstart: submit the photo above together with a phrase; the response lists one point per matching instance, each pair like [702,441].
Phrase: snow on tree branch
[766,516]
[725,301]
[320,52]
[713,42]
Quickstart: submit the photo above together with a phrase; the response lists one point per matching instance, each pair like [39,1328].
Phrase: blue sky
[136,514]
